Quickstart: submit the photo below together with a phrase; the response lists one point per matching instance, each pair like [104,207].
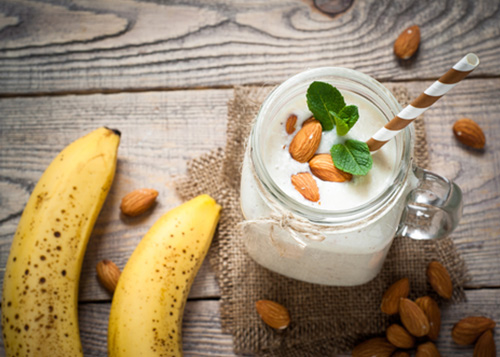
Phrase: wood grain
[100,46]
[162,130]
[160,133]
[203,336]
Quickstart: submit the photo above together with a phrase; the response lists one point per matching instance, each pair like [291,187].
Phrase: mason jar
[339,247]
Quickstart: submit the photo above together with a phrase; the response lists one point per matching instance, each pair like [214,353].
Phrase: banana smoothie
[334,196]
[350,222]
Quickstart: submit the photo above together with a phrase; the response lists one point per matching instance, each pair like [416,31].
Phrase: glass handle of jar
[433,209]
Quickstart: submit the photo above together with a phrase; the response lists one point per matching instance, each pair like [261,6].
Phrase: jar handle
[433,209]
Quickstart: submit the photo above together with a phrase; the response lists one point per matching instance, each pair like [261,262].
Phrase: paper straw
[424,101]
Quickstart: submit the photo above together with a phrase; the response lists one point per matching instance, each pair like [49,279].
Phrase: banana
[40,290]
[148,303]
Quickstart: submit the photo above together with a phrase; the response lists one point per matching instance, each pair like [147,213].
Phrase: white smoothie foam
[333,195]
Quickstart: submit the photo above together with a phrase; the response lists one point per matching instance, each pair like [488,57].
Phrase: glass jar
[339,247]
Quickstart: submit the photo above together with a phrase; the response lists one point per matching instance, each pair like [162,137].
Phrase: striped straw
[424,101]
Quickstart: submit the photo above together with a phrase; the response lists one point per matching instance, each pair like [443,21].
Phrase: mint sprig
[352,157]
[322,99]
[328,106]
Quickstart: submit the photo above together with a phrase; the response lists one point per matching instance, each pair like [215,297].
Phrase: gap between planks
[193,88]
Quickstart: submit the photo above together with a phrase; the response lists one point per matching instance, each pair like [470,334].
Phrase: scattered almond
[307,187]
[390,300]
[485,345]
[431,309]
[413,318]
[400,354]
[108,274]
[138,201]
[306,141]
[273,314]
[290,124]
[427,349]
[399,337]
[407,43]
[377,346]
[469,133]
[440,280]
[322,166]
[467,330]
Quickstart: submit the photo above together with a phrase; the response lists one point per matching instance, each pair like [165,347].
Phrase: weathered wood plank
[83,46]
[202,333]
[162,130]
[476,172]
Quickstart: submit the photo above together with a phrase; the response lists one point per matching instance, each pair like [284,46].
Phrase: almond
[108,274]
[399,337]
[273,314]
[322,166]
[469,133]
[485,345]
[400,354]
[407,42]
[290,124]
[390,300]
[306,141]
[427,349]
[467,330]
[307,187]
[307,121]
[413,318]
[440,280]
[377,346]
[138,201]
[431,309]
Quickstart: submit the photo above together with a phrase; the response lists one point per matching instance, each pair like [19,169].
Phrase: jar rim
[324,216]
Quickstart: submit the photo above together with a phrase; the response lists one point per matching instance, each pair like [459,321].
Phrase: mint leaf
[350,115]
[353,157]
[342,127]
[323,98]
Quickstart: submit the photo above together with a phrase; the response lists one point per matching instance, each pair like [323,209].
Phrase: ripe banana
[40,290]
[148,303]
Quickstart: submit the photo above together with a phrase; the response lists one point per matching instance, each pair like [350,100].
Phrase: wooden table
[163,73]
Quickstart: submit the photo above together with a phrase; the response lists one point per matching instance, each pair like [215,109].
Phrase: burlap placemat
[325,320]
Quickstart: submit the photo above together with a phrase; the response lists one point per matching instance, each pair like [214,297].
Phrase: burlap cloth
[325,320]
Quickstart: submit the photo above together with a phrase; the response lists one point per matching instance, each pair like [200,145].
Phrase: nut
[138,201]
[307,121]
[439,279]
[427,349]
[305,184]
[290,124]
[400,354]
[108,274]
[431,309]
[306,141]
[390,300]
[469,133]
[407,42]
[399,337]
[377,346]
[273,314]
[413,318]
[322,166]
[467,330]
[485,345]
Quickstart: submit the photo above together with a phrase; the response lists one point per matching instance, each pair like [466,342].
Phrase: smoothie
[334,196]
[341,234]
[359,217]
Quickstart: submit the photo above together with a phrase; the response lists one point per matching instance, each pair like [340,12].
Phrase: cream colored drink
[343,238]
